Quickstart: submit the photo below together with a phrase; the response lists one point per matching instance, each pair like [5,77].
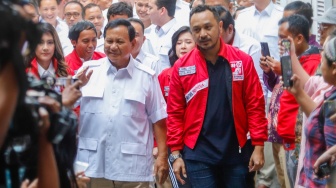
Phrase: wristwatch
[172,157]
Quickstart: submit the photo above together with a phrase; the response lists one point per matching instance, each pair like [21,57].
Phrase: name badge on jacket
[237,70]
[187,70]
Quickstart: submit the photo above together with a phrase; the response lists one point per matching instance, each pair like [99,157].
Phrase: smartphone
[286,65]
[323,170]
[264,49]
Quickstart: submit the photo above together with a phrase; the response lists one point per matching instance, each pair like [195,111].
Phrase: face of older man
[73,14]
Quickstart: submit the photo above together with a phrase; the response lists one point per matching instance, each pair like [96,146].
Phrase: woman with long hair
[182,43]
[48,58]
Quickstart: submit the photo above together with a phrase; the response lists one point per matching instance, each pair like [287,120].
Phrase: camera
[21,144]
[323,170]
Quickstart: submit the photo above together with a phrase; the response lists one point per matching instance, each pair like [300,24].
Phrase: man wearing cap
[326,23]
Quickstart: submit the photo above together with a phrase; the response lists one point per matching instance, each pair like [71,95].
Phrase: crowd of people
[168,93]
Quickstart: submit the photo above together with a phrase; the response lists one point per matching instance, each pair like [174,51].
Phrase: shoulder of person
[246,11]
[144,68]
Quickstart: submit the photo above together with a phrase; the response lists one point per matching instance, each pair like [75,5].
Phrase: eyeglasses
[322,27]
[74,14]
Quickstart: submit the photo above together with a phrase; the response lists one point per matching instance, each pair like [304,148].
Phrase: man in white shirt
[94,14]
[138,53]
[122,107]
[162,13]
[182,12]
[260,21]
[224,3]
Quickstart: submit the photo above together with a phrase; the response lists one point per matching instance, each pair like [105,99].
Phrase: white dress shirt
[263,26]
[161,41]
[45,73]
[252,47]
[118,108]
[100,45]
[149,60]
[182,12]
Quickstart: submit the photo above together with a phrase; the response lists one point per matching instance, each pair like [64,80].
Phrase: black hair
[301,8]
[120,8]
[136,20]
[80,26]
[32,3]
[238,9]
[121,22]
[172,52]
[192,2]
[170,5]
[225,16]
[202,8]
[39,2]
[77,3]
[297,24]
[88,6]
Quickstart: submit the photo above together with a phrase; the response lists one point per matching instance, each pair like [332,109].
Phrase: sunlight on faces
[49,11]
[95,16]
[205,30]
[86,44]
[185,44]
[45,49]
[118,47]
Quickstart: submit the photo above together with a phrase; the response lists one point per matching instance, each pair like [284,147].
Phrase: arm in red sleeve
[176,107]
[255,105]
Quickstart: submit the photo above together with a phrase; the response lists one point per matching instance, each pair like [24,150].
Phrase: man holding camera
[121,107]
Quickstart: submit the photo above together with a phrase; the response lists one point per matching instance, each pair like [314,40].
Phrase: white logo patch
[199,86]
[237,70]
[187,70]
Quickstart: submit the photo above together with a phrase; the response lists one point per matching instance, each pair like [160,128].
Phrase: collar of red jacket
[34,68]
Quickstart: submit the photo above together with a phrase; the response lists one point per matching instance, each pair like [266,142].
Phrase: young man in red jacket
[215,99]
[83,36]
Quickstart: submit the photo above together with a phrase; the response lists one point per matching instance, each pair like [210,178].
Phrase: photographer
[13,84]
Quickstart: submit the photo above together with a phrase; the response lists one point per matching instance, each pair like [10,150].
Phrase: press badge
[187,70]
[237,70]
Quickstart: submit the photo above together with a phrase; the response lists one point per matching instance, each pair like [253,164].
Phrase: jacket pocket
[87,148]
[134,104]
[133,158]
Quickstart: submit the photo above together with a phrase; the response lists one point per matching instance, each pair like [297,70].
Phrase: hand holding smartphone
[286,64]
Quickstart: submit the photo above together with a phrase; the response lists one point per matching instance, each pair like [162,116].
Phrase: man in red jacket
[215,99]
[83,36]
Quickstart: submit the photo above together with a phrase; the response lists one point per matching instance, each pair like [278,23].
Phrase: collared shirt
[100,45]
[44,73]
[149,60]
[118,108]
[263,26]
[161,41]
[252,47]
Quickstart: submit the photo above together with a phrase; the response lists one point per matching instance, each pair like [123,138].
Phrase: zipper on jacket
[239,149]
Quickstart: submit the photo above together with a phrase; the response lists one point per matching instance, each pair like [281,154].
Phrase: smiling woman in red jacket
[48,58]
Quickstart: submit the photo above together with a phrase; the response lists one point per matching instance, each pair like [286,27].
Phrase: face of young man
[118,47]
[205,30]
[49,11]
[141,7]
[154,12]
[73,14]
[86,44]
[95,16]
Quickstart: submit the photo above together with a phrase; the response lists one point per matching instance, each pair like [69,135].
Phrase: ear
[73,42]
[300,39]
[220,24]
[231,29]
[133,42]
[333,66]
[144,38]
[163,11]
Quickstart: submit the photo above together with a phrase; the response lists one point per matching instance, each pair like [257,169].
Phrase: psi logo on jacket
[237,70]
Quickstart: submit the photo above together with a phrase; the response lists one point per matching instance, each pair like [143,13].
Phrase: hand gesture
[263,65]
[161,169]
[274,65]
[71,92]
[84,76]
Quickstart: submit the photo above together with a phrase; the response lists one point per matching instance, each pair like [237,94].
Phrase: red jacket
[34,68]
[74,62]
[289,108]
[189,92]
[164,80]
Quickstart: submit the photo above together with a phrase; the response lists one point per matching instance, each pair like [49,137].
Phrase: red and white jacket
[188,96]
[74,62]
